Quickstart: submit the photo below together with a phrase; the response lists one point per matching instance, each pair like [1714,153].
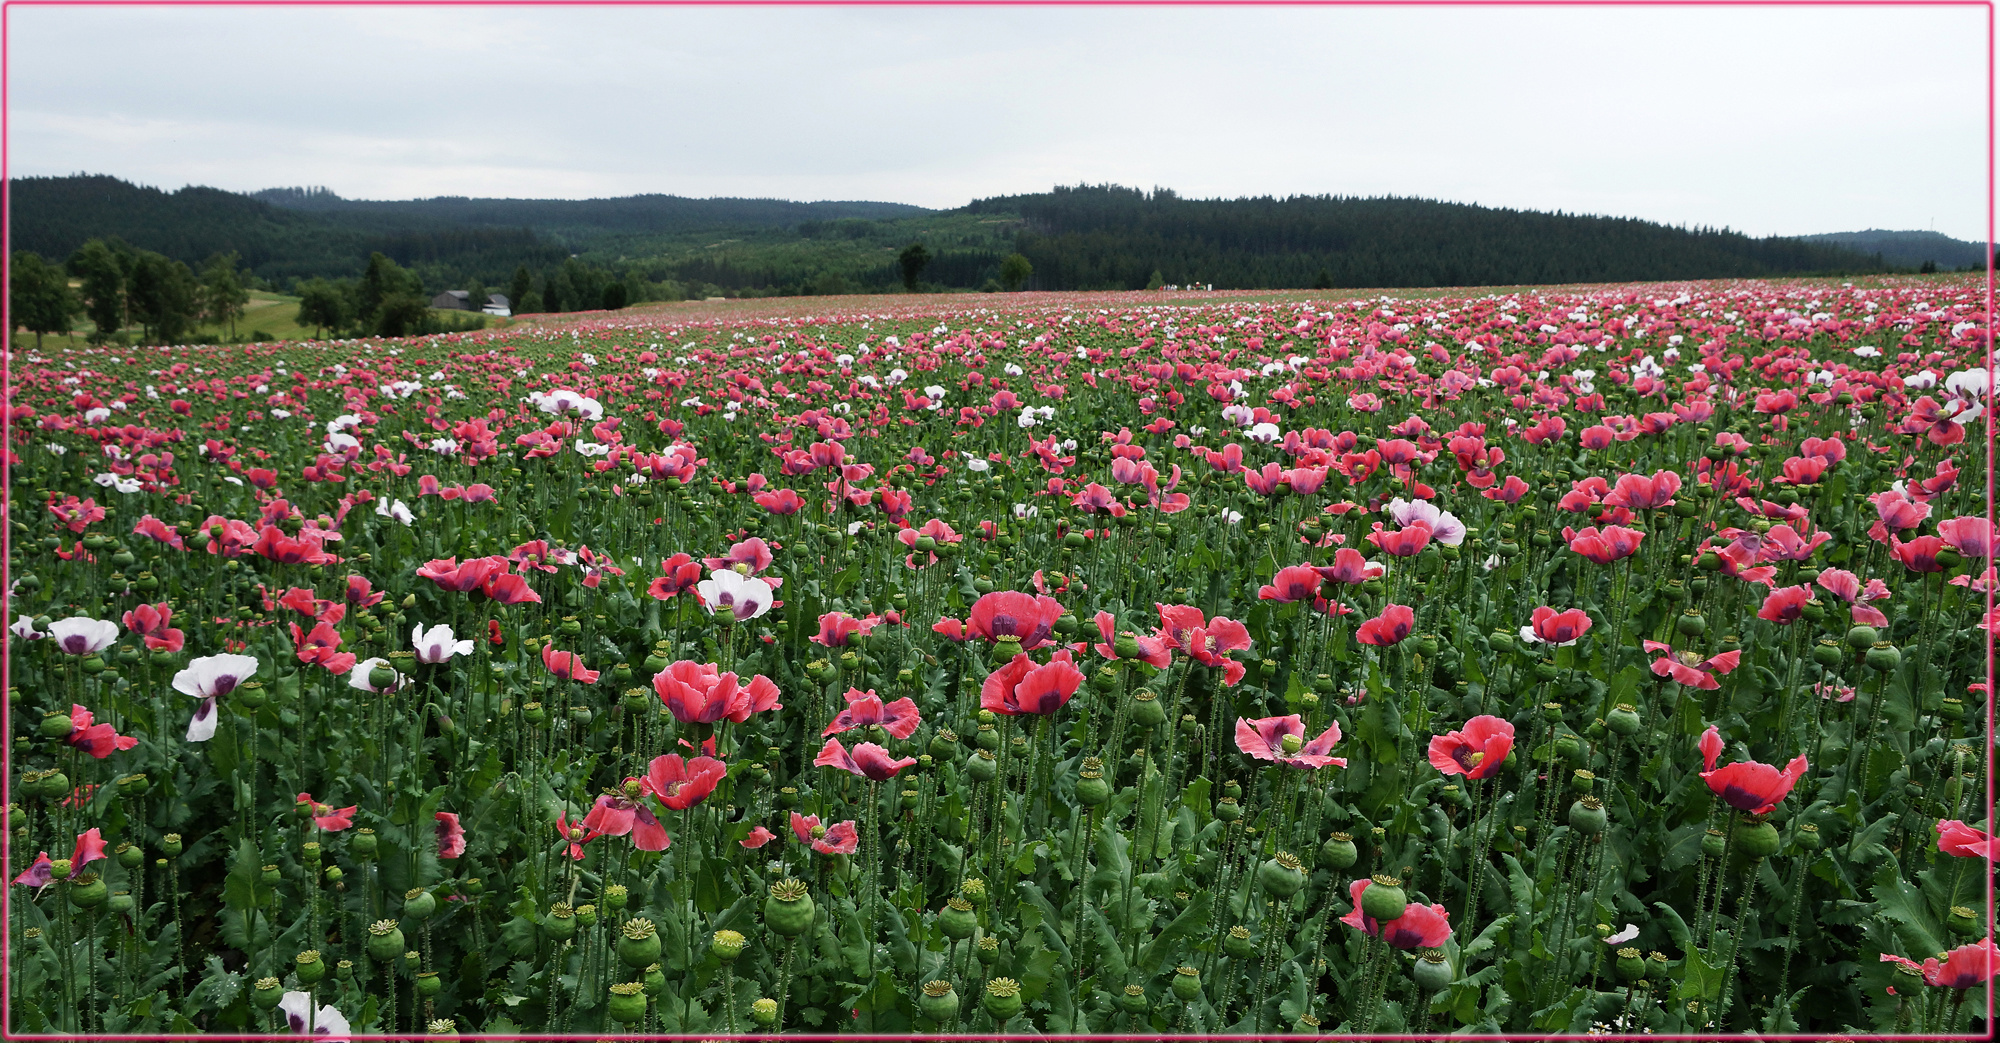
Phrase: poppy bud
[1383,898]
[1883,656]
[1623,720]
[788,911]
[1282,875]
[957,919]
[1587,816]
[1187,984]
[627,1003]
[1237,943]
[1432,971]
[385,939]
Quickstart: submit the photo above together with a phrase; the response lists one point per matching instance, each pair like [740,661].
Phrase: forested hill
[1108,236]
[644,213]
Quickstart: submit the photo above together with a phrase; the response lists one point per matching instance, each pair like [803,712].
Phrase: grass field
[267,317]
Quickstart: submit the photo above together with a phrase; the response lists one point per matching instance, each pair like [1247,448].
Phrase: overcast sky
[1766,120]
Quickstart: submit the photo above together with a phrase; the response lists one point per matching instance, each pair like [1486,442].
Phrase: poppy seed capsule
[1861,637]
[1186,984]
[1690,623]
[1383,898]
[1713,843]
[1623,720]
[986,737]
[266,993]
[764,1012]
[1432,971]
[1338,852]
[1807,837]
[938,1001]
[1883,657]
[1003,995]
[1091,789]
[428,983]
[982,767]
[1282,875]
[1133,999]
[627,1002]
[55,726]
[638,943]
[957,919]
[419,904]
[1758,839]
[1587,816]
[385,939]
[789,910]
[1146,709]
[1228,810]
[1827,653]
[1629,964]
[560,924]
[1237,943]
[131,856]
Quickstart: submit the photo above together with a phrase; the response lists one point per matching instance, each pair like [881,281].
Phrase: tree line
[119,285]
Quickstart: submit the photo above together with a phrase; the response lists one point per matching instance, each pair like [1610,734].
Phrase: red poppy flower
[1610,544]
[1292,583]
[1010,613]
[448,574]
[1404,542]
[1476,751]
[1918,555]
[450,836]
[681,784]
[1152,650]
[1748,785]
[1690,669]
[1640,493]
[899,718]
[509,589]
[614,815]
[781,501]
[576,835]
[151,623]
[841,838]
[568,666]
[1391,626]
[1971,535]
[835,628]
[1961,968]
[98,740]
[1350,567]
[759,836]
[1548,626]
[1786,605]
[1265,739]
[868,760]
[1023,687]
[1957,838]
[697,693]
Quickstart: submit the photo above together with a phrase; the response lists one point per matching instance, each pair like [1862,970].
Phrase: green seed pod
[1883,657]
[1133,999]
[974,890]
[55,786]
[171,844]
[1228,810]
[627,1002]
[944,745]
[419,904]
[120,903]
[1629,965]
[654,979]
[1861,637]
[134,785]
[1501,641]
[55,726]
[309,967]
[266,994]
[788,912]
[1582,779]
[131,856]
[1587,816]
[1338,852]
[1091,789]
[986,737]
[1690,623]
[957,919]
[1186,984]
[938,1001]
[1623,720]
[1238,944]
[1282,875]
[1552,712]
[385,939]
[764,1012]
[1713,843]
[428,983]
[363,843]
[1964,922]
[727,945]
[560,924]
[270,876]
[1146,709]
[88,891]
[1432,971]
[1003,995]
[638,943]
[982,767]
[1383,899]
[1807,837]
[988,951]
[1757,838]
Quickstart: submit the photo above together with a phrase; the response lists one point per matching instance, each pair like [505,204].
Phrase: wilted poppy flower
[1024,687]
[1690,669]
[1476,751]
[566,665]
[841,838]
[899,718]
[151,623]
[868,760]
[1011,613]
[450,835]
[330,819]
[1747,785]
[1266,739]
[1556,628]
[1420,926]
[1957,838]
[98,740]
[697,693]
[682,784]
[759,836]
[615,815]
[575,834]
[1391,626]
[89,848]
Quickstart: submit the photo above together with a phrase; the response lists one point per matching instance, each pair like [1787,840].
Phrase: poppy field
[1567,660]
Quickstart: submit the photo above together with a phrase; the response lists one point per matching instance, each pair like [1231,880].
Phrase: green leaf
[1192,921]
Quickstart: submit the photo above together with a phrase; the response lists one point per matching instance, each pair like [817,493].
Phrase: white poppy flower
[358,677]
[82,635]
[743,597]
[437,644]
[210,678]
[1630,932]
[302,1019]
